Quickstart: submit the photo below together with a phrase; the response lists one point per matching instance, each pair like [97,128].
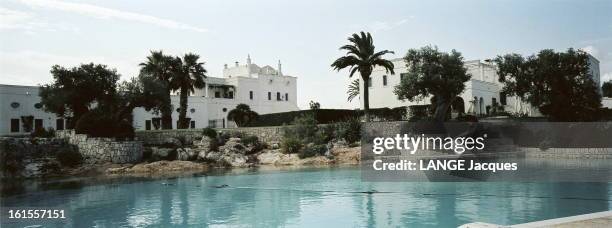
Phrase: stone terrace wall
[101,150]
[569,153]
[158,137]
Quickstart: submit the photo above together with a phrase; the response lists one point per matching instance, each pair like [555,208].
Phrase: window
[217,94]
[384,80]
[14,125]
[59,124]
[148,125]
[269,96]
[369,82]
[231,95]
[286,97]
[502,98]
[192,124]
[493,101]
[251,95]
[38,124]
[278,98]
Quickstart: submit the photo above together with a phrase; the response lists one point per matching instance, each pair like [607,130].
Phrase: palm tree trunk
[183,109]
[366,100]
[166,112]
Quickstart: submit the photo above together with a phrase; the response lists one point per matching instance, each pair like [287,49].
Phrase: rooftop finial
[248,59]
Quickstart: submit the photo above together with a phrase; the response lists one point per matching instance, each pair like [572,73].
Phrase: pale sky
[304,35]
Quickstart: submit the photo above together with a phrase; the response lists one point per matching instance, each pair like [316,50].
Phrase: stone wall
[25,157]
[158,137]
[569,153]
[101,150]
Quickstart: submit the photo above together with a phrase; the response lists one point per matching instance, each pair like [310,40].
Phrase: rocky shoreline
[340,156]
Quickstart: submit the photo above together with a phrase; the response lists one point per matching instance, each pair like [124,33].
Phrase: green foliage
[187,75]
[314,105]
[209,132]
[69,157]
[291,145]
[242,115]
[353,90]
[433,73]
[361,56]
[99,123]
[312,150]
[304,128]
[249,140]
[160,67]
[326,133]
[558,83]
[11,161]
[349,130]
[252,142]
[74,90]
[43,133]
[606,89]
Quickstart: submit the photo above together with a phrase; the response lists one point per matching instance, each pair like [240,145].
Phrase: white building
[482,90]
[21,111]
[264,89]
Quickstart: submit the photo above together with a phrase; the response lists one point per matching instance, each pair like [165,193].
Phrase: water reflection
[308,197]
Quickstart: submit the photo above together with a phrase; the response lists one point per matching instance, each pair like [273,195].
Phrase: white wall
[26,97]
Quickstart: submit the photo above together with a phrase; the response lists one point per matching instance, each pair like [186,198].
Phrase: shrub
[326,133]
[43,133]
[349,130]
[209,132]
[249,140]
[304,128]
[11,161]
[96,123]
[291,145]
[312,150]
[69,157]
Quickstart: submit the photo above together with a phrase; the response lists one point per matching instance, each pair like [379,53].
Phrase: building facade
[263,88]
[21,111]
[481,93]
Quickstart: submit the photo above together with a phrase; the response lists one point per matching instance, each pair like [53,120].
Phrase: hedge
[326,116]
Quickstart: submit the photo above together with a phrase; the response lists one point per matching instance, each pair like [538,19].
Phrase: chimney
[280,72]
[249,65]
[225,66]
[236,63]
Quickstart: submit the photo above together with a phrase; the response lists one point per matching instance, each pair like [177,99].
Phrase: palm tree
[361,56]
[159,66]
[189,75]
[353,90]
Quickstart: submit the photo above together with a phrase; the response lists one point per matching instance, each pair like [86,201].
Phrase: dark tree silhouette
[361,56]
[242,115]
[559,84]
[188,75]
[433,73]
[160,67]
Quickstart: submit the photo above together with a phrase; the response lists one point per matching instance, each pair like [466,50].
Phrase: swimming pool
[309,197]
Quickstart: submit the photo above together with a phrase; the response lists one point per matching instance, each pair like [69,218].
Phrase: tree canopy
[559,84]
[433,73]
[606,89]
[242,115]
[75,90]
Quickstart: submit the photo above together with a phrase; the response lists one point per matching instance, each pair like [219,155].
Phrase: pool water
[314,197]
